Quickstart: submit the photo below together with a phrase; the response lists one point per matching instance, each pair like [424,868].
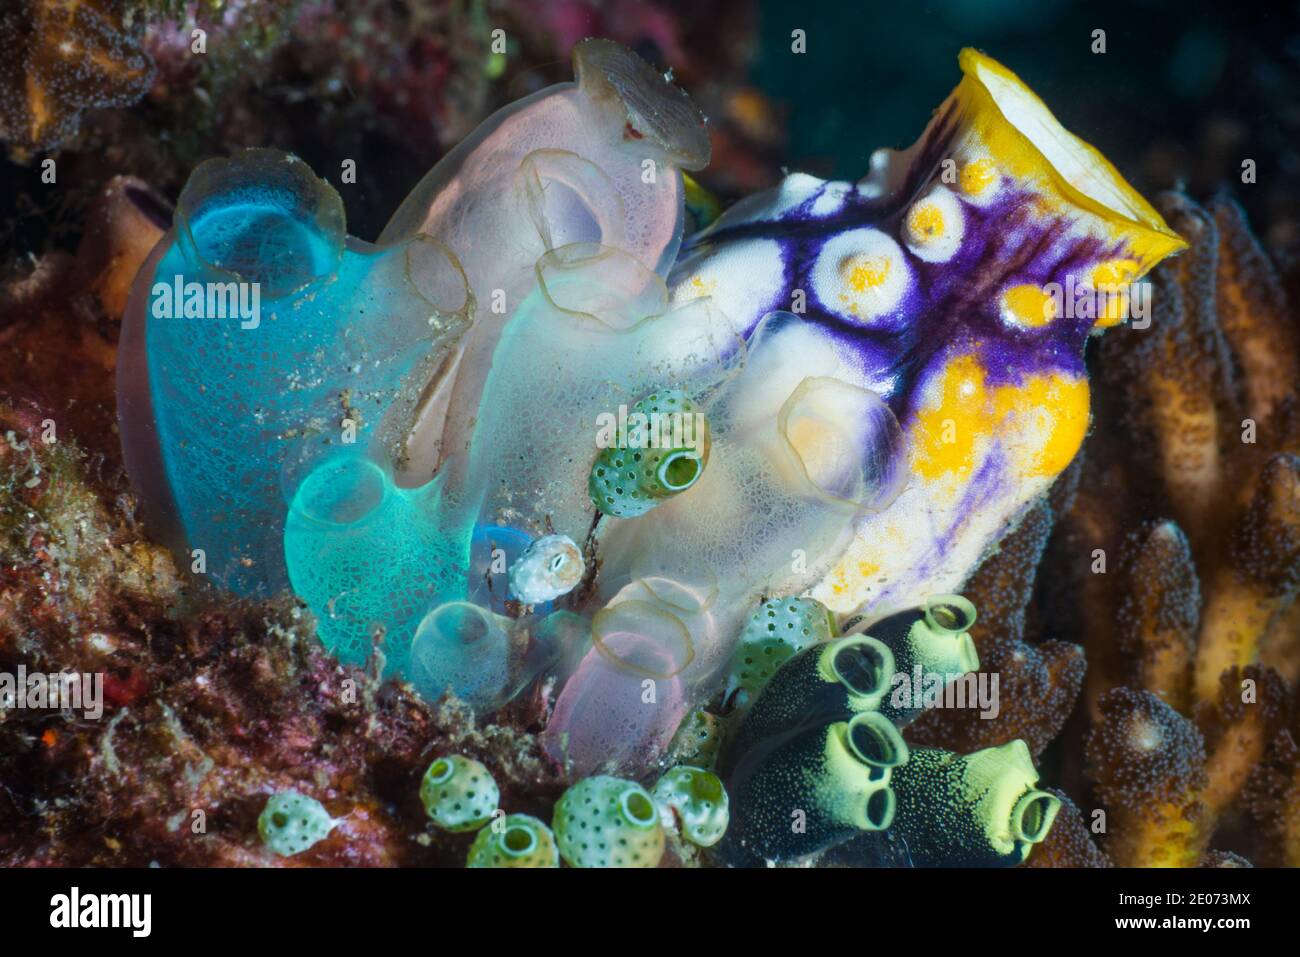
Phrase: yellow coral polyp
[1028,305]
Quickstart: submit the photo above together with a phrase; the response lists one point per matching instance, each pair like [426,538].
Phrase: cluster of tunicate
[817,766]
[536,430]
[460,795]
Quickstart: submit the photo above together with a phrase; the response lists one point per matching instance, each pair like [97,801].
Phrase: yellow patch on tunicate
[1048,412]
[1057,408]
[1111,280]
[1028,305]
[977,176]
[945,432]
[705,287]
[851,571]
[924,222]
[862,273]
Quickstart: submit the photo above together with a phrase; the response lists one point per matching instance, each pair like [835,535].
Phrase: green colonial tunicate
[459,793]
[605,821]
[931,640]
[517,840]
[292,823]
[780,628]
[828,681]
[697,801]
[662,454]
[797,795]
[975,810]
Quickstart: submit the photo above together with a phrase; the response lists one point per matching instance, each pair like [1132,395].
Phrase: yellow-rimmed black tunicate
[797,795]
[825,682]
[932,639]
[974,810]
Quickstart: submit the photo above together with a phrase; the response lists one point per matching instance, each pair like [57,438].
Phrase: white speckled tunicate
[548,568]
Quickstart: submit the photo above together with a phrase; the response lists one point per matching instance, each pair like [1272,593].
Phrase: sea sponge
[60,57]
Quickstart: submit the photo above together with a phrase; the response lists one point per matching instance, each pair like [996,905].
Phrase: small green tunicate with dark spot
[292,823]
[665,454]
[516,840]
[459,793]
[605,821]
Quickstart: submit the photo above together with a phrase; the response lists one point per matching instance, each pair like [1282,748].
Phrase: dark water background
[1184,92]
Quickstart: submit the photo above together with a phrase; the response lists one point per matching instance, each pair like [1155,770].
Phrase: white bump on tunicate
[743,279]
[933,226]
[795,190]
[548,568]
[861,274]
[831,199]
